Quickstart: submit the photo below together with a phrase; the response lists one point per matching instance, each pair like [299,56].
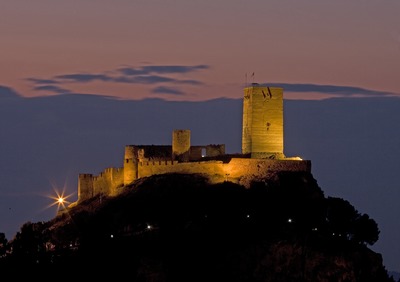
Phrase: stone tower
[262,132]
[181,145]
[85,186]
[130,164]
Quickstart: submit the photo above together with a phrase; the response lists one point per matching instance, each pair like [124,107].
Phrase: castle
[262,152]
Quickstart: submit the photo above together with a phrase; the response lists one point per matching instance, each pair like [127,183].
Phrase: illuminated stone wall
[213,150]
[211,169]
[244,171]
[262,125]
[239,170]
[108,181]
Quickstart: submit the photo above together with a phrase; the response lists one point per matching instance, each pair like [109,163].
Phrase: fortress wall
[215,150]
[243,171]
[238,170]
[85,186]
[213,169]
[197,152]
[117,180]
[108,181]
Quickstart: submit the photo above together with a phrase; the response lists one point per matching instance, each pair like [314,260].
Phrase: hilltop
[178,227]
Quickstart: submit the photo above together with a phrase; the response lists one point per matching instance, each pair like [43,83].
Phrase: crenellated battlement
[159,162]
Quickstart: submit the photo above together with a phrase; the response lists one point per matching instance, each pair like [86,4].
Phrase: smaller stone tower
[130,164]
[85,186]
[181,145]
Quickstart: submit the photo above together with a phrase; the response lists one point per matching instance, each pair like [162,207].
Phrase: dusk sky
[196,51]
[128,48]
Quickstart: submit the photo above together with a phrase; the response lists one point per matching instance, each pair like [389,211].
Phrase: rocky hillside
[180,228]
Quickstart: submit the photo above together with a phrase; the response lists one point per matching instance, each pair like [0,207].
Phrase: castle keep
[262,152]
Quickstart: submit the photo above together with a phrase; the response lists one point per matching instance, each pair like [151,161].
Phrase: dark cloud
[144,79]
[167,90]
[132,75]
[161,69]
[51,88]
[153,79]
[190,81]
[84,77]
[42,81]
[132,71]
[330,89]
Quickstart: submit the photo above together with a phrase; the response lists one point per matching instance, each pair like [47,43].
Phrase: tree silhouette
[3,245]
[365,230]
[344,221]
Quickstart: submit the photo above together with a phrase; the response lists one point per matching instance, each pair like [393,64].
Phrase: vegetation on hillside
[178,227]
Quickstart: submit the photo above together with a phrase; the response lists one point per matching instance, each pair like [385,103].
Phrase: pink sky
[339,43]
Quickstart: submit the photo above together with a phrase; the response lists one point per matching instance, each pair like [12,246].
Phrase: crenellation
[261,157]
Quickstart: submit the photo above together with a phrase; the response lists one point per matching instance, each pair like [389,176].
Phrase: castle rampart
[108,181]
[209,168]
[243,171]
[105,183]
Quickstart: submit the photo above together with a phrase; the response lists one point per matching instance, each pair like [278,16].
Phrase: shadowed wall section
[181,145]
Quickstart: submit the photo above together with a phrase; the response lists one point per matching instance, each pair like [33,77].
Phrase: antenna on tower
[245,79]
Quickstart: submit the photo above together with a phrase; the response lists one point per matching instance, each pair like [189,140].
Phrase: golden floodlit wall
[108,181]
[242,171]
[208,168]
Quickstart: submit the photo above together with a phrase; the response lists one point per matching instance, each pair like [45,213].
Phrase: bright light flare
[60,199]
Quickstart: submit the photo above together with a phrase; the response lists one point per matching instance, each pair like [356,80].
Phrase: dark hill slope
[180,228]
